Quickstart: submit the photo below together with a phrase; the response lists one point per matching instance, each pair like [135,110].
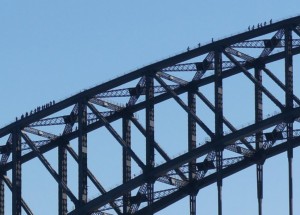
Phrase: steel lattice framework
[180,78]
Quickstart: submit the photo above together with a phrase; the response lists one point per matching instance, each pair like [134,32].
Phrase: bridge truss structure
[128,106]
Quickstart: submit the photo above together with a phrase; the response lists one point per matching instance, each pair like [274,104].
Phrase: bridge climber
[181,79]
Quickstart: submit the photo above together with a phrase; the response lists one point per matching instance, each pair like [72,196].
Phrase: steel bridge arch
[142,90]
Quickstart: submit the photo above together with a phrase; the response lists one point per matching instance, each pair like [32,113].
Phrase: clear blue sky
[50,50]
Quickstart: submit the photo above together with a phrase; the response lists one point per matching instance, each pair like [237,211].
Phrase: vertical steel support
[259,137]
[126,162]
[150,134]
[62,172]
[289,106]
[191,146]
[219,124]
[82,153]
[16,173]
[2,193]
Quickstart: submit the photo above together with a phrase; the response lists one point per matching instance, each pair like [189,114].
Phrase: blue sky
[50,50]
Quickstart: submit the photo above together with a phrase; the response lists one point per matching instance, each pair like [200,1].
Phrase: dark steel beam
[157,147]
[184,106]
[211,106]
[150,157]
[61,140]
[71,119]
[279,128]
[246,72]
[116,135]
[62,173]
[199,83]
[185,158]
[210,79]
[138,198]
[279,83]
[63,162]
[273,43]
[153,102]
[219,124]
[106,104]
[225,121]
[126,162]
[239,54]
[263,43]
[205,100]
[183,192]
[210,157]
[82,153]
[297,30]
[172,78]
[259,179]
[2,196]
[289,106]
[40,133]
[93,179]
[205,65]
[49,168]
[208,60]
[16,173]
[186,67]
[259,137]
[145,70]
[68,137]
[10,186]
[234,148]
[290,167]
[192,138]
[141,105]
[7,153]
[137,91]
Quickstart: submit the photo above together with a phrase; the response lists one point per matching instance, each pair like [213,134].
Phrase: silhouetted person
[212,40]
[265,23]
[253,27]
[249,28]
[199,44]
[16,118]
[188,48]
[270,21]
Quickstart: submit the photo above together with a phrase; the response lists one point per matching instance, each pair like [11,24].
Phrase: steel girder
[187,157]
[181,193]
[153,67]
[191,146]
[87,116]
[259,137]
[289,104]
[16,173]
[219,131]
